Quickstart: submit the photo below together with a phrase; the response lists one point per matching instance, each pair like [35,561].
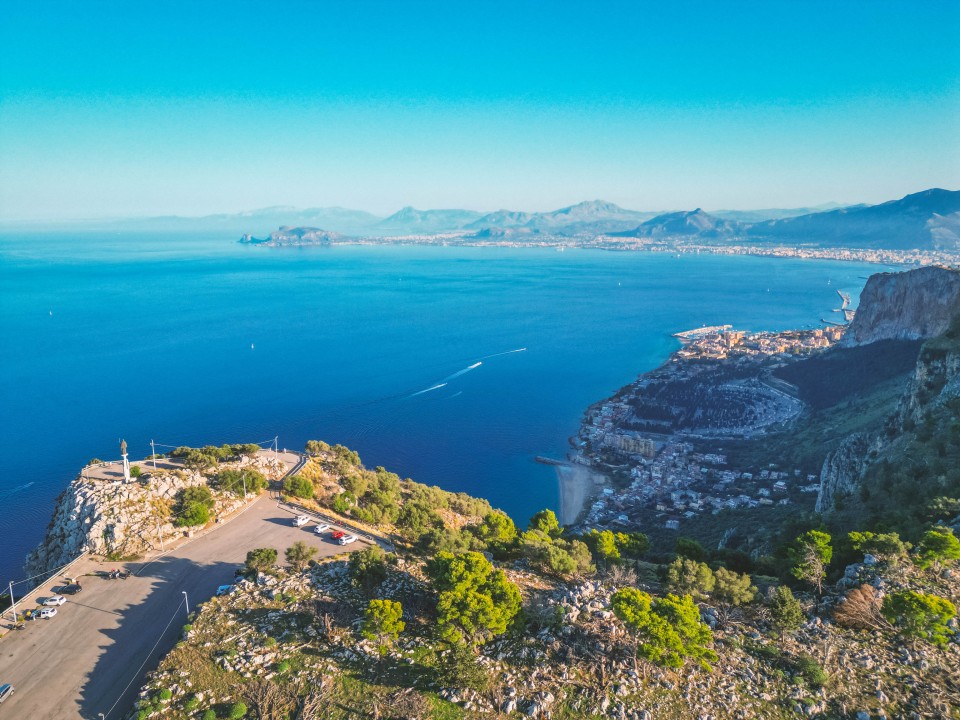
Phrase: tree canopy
[689,577]
[667,631]
[546,522]
[234,481]
[785,610]
[368,568]
[496,530]
[476,601]
[919,616]
[261,559]
[938,546]
[299,554]
[193,506]
[383,622]
[811,554]
[298,486]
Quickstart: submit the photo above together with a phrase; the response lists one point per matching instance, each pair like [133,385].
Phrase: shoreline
[578,484]
[878,256]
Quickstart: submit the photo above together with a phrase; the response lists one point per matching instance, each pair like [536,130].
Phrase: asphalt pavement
[92,657]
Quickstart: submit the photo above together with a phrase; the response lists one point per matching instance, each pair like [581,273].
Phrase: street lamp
[186,601]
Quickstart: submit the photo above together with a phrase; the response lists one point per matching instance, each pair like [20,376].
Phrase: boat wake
[430,389]
[508,352]
[462,372]
[16,490]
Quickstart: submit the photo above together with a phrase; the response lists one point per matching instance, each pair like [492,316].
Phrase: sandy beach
[578,483]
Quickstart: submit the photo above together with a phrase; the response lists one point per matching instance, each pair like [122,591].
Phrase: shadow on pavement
[147,631]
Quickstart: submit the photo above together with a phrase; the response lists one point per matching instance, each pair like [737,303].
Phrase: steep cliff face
[923,410]
[909,305]
[125,519]
[843,468]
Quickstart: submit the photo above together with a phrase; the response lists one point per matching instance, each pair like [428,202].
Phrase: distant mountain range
[928,220]
[695,223]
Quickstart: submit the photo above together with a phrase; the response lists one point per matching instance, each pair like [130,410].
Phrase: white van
[347,539]
[301,520]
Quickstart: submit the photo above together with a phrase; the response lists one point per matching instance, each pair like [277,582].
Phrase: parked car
[347,539]
[71,589]
[6,690]
[54,600]
[337,534]
[46,613]
[301,520]
[320,529]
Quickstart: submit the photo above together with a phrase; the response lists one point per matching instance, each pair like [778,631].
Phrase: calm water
[191,340]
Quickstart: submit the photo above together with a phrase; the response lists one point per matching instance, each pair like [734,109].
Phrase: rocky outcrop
[910,305]
[935,381]
[843,468]
[115,518]
[293,236]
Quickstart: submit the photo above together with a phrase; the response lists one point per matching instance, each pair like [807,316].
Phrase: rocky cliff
[921,412]
[294,236]
[843,468]
[908,305]
[119,519]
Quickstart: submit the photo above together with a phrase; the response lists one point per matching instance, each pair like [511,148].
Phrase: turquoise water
[190,340]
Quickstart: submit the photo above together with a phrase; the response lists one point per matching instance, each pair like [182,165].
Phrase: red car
[337,534]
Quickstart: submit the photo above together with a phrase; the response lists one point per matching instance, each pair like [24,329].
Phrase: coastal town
[719,384]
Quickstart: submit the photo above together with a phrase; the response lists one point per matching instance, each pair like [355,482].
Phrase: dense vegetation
[466,585]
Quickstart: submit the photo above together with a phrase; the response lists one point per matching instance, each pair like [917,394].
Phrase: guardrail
[33,591]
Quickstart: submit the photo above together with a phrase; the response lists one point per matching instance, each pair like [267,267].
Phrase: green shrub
[193,506]
[368,568]
[261,559]
[283,666]
[811,671]
[237,711]
[235,481]
[191,704]
[270,642]
[208,715]
[135,471]
[298,486]
[165,694]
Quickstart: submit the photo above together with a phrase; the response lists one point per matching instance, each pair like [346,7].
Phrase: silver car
[54,601]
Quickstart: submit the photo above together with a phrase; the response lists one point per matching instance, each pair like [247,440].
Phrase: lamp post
[13,604]
[186,601]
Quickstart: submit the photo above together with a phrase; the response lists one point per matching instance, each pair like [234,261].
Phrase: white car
[347,539]
[54,600]
[47,613]
[321,529]
[301,520]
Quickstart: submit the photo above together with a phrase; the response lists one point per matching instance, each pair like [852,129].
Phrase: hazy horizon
[142,111]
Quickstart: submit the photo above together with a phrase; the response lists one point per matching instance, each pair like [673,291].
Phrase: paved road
[85,660]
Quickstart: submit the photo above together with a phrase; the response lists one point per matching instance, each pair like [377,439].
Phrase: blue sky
[120,108]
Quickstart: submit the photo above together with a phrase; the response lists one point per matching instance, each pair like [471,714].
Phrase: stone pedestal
[126,468]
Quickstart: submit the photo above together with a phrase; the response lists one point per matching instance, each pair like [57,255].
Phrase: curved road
[91,658]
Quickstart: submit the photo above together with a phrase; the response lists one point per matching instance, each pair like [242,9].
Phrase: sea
[454,366]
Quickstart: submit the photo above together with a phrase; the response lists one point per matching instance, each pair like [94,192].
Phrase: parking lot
[91,657]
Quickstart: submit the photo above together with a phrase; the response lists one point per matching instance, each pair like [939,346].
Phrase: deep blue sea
[193,340]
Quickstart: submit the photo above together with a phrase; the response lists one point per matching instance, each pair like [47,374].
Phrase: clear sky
[135,108]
